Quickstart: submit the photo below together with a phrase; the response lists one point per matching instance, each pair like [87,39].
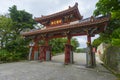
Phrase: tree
[58,44]
[116,37]
[5,30]
[96,42]
[74,43]
[104,7]
[108,6]
[22,20]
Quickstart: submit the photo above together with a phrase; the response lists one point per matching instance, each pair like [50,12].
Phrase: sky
[46,7]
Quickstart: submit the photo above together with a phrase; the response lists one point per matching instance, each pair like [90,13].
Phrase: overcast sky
[46,7]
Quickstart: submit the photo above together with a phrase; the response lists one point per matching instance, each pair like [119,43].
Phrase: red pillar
[35,48]
[69,39]
[91,55]
[48,48]
[67,50]
[46,42]
[89,39]
[44,51]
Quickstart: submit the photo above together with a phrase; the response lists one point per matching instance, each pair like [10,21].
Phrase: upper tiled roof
[71,9]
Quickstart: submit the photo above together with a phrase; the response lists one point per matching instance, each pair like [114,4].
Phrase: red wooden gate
[68,49]
[43,52]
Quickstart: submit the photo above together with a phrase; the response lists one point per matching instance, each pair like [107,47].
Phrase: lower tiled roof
[78,24]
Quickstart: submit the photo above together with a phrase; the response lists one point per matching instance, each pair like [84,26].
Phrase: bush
[18,48]
[6,56]
[3,55]
[78,50]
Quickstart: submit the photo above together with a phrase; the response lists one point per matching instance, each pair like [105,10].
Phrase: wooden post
[35,49]
[68,51]
[69,39]
[89,55]
[45,51]
[46,42]
[89,38]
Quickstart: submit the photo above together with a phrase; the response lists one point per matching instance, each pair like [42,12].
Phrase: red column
[43,50]
[91,61]
[48,48]
[89,39]
[67,50]
[35,48]
[42,53]
[69,39]
[46,42]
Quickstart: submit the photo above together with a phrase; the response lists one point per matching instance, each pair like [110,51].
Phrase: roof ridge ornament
[76,4]
[92,18]
[69,6]
[42,15]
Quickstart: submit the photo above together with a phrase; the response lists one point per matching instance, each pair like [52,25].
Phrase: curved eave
[67,27]
[71,9]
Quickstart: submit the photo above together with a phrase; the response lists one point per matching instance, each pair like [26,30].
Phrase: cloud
[45,7]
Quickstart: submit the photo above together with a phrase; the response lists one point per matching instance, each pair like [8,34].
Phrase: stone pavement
[53,70]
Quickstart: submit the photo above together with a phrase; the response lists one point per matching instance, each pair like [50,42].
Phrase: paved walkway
[53,70]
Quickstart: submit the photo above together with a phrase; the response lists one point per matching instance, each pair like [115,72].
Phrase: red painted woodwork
[66,16]
[69,39]
[58,24]
[35,48]
[89,38]
[42,55]
[68,48]
[46,41]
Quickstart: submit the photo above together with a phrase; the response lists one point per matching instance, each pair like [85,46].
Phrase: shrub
[3,54]
[6,56]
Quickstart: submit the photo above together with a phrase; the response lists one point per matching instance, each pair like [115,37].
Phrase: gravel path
[53,70]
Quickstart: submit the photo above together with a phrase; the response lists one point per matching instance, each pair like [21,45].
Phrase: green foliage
[11,25]
[97,42]
[5,30]
[22,19]
[58,45]
[18,46]
[116,37]
[116,42]
[111,34]
[74,43]
[6,56]
[80,50]
[108,6]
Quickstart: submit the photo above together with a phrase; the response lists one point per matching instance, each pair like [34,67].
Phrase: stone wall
[110,56]
[100,50]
